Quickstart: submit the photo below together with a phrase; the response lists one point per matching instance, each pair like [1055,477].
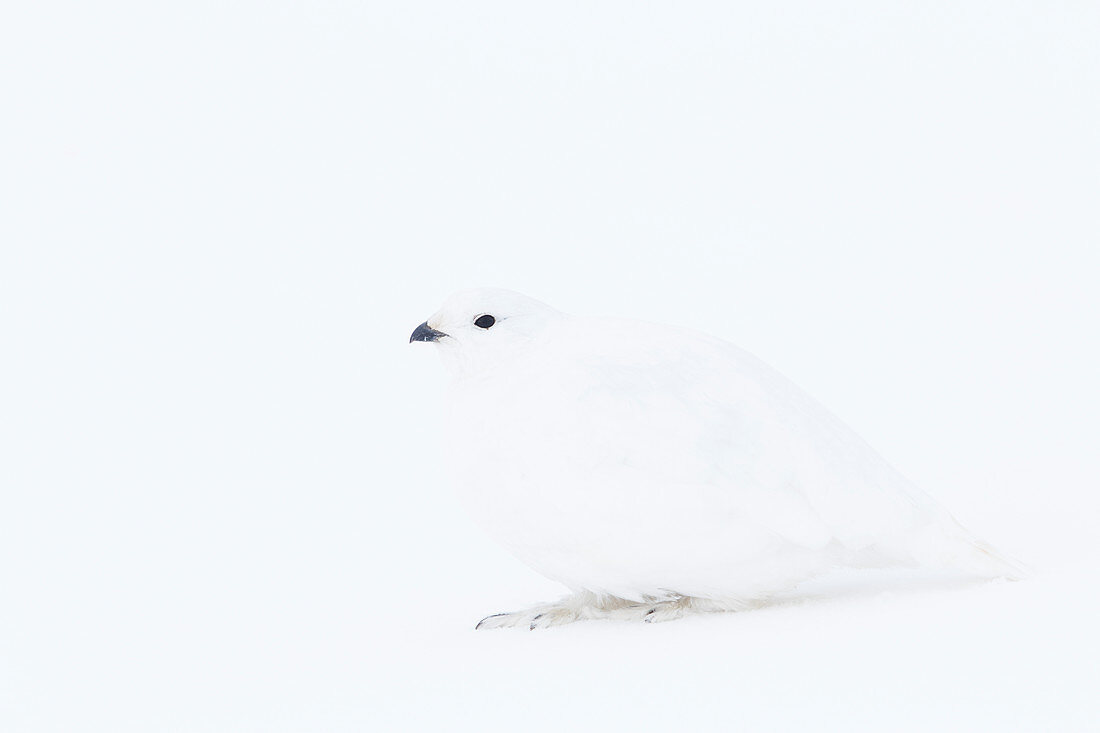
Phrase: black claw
[652,610]
[495,615]
[536,618]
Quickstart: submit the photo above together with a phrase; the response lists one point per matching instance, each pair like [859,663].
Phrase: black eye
[485,321]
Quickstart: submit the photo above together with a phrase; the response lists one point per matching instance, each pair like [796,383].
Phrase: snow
[222,502]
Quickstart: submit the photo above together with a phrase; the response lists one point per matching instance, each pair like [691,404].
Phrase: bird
[657,471]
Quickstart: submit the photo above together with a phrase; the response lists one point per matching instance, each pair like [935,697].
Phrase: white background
[221,502]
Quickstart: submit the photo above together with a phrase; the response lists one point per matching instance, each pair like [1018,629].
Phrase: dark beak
[424,332]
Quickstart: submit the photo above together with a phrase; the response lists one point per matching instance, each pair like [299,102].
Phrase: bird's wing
[692,411]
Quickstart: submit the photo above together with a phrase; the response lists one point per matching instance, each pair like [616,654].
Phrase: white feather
[638,461]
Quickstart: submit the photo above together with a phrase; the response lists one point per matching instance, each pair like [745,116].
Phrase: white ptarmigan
[655,470]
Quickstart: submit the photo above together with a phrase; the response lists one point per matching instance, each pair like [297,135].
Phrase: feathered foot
[590,606]
[537,617]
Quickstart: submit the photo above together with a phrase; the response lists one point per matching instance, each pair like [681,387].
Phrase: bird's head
[478,329]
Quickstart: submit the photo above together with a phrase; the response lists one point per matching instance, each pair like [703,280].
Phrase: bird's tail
[981,558]
[945,544]
[955,547]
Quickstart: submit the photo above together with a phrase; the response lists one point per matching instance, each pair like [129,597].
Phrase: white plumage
[655,470]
